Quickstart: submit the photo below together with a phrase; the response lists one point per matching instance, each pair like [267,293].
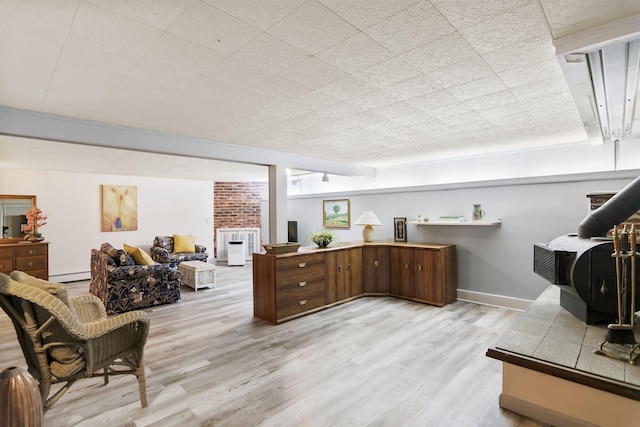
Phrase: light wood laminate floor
[370,362]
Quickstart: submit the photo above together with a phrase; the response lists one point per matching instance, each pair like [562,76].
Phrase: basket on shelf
[281,248]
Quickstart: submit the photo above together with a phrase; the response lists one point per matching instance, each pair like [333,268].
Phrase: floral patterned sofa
[162,252]
[124,286]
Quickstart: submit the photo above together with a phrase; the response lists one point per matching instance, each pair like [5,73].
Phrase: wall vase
[20,401]
[117,223]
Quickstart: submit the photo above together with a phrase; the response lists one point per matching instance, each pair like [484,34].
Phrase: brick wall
[598,199]
[237,205]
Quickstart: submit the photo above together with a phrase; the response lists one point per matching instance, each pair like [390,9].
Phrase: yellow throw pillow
[138,255]
[184,243]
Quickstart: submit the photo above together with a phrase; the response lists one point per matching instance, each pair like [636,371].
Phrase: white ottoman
[197,274]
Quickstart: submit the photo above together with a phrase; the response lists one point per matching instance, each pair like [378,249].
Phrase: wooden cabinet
[424,274]
[285,286]
[402,267]
[343,274]
[32,258]
[375,270]
[291,285]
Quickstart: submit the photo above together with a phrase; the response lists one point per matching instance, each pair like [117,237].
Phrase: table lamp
[368,219]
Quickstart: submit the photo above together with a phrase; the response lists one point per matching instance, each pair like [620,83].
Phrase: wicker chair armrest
[137,320]
[88,308]
[201,248]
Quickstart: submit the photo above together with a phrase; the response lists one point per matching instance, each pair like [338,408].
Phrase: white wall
[72,202]
[495,261]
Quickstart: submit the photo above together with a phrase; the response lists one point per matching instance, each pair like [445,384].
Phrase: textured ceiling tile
[213,28]
[313,73]
[440,53]
[398,109]
[374,99]
[540,88]
[464,13]
[462,72]
[492,100]
[501,111]
[79,86]
[450,110]
[477,88]
[364,13]
[549,69]
[413,118]
[58,14]
[188,55]
[520,54]
[520,24]
[343,109]
[146,11]
[356,53]
[270,53]
[432,100]
[238,73]
[418,25]
[280,87]
[112,29]
[312,28]
[411,88]
[347,88]
[387,73]
[29,53]
[313,101]
[260,14]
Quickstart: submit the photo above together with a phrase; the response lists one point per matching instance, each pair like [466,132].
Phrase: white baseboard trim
[494,300]
[71,277]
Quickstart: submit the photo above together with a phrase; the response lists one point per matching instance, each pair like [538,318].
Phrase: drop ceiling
[365,82]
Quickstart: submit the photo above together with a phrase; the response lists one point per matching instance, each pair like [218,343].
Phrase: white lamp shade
[368,218]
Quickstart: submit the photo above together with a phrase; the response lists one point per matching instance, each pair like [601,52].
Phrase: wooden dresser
[32,258]
[290,285]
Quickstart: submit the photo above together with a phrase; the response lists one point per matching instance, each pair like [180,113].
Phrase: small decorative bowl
[281,248]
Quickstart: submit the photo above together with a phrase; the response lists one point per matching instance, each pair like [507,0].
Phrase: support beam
[278,231]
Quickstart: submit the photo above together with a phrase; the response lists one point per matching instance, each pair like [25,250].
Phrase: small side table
[197,274]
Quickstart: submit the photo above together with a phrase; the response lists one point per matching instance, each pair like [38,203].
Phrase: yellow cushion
[138,255]
[184,243]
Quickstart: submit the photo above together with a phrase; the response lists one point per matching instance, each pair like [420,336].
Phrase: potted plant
[322,238]
[35,219]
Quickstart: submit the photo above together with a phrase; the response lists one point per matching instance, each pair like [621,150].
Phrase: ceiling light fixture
[601,66]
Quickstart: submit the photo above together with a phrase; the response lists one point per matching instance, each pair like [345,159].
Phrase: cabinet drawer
[31,263]
[297,265]
[6,252]
[305,278]
[292,303]
[29,250]
[6,265]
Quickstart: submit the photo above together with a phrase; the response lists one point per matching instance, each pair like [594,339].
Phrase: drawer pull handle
[376,264]
[406,266]
[31,251]
[420,267]
[31,263]
[302,265]
[1,265]
[339,269]
[302,284]
[303,302]
[349,267]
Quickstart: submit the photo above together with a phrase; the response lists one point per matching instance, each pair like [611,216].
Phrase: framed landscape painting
[336,213]
[119,208]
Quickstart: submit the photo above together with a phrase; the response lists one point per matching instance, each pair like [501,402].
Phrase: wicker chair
[64,340]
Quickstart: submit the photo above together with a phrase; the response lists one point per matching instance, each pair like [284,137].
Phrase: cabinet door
[428,276]
[375,270]
[401,279]
[343,273]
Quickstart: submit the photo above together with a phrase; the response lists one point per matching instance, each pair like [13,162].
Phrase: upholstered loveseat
[163,247]
[123,286]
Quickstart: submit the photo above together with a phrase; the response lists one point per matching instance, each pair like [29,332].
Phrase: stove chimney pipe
[614,211]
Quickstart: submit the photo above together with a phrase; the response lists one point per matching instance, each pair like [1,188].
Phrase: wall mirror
[12,217]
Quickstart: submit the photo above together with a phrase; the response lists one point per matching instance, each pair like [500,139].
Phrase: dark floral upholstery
[162,252]
[131,287]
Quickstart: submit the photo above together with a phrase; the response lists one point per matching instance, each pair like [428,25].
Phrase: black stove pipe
[614,211]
